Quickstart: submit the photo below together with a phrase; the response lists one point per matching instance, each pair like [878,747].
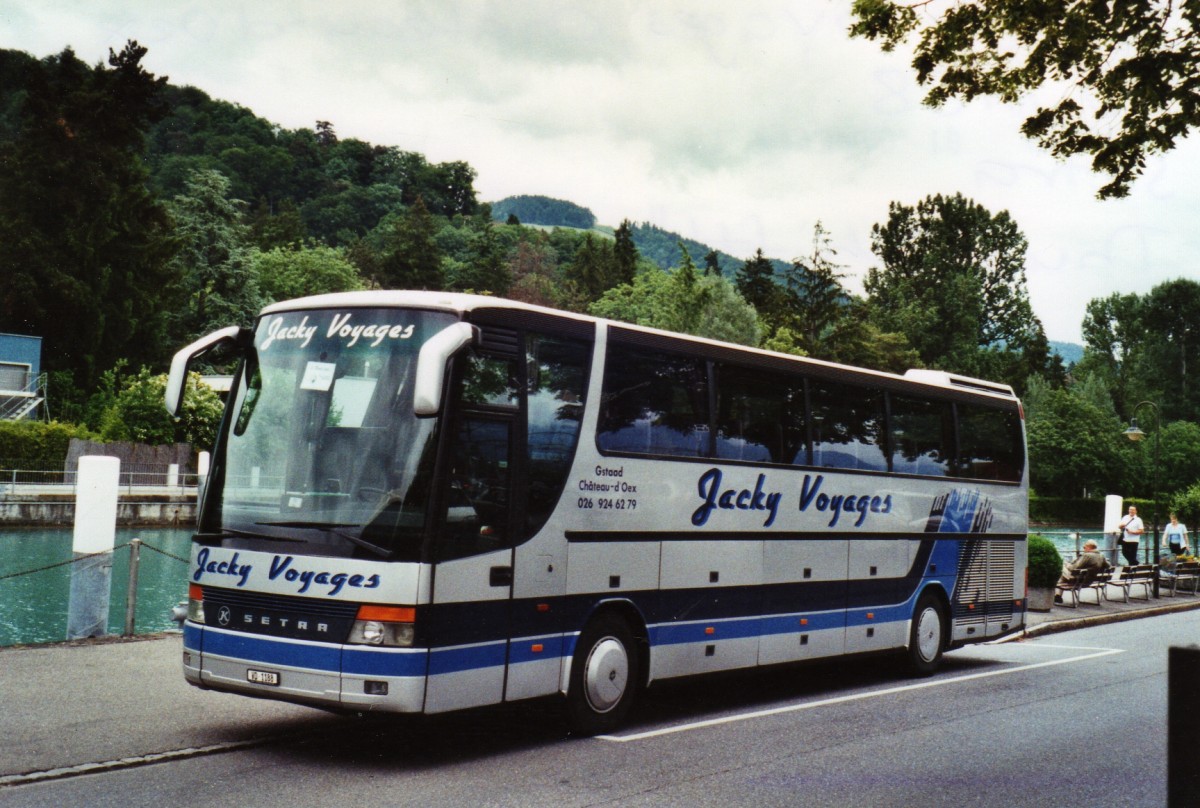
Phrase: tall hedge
[36,445]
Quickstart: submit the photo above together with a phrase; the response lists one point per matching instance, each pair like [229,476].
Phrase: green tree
[953,283]
[137,413]
[593,268]
[817,297]
[486,269]
[857,341]
[215,259]
[1171,335]
[1112,328]
[712,263]
[411,258]
[1179,457]
[755,282]
[84,245]
[286,273]
[682,301]
[533,268]
[1144,346]
[625,254]
[1074,446]
[1124,74]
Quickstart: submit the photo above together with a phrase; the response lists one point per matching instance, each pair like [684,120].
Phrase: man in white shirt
[1131,534]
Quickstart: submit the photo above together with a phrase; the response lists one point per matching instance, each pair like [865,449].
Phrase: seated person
[1090,562]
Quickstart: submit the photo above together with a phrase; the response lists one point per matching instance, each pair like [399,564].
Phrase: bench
[1080,581]
[1143,575]
[1183,572]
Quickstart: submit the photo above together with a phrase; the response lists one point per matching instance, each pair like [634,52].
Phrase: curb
[1071,623]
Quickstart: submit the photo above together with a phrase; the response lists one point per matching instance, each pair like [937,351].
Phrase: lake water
[34,606]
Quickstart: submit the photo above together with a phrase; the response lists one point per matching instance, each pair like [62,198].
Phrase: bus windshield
[323,449]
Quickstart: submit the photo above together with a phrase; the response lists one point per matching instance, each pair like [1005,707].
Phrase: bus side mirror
[431,366]
[177,379]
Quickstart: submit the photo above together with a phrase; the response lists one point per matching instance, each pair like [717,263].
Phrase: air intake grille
[279,616]
[500,340]
[985,588]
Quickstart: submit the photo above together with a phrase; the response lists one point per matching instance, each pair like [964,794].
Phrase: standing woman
[1131,534]
[1175,536]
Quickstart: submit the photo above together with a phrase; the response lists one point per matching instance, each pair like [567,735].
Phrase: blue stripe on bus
[453,660]
[790,623]
[193,637]
[883,614]
[364,661]
[273,651]
[361,661]
[522,650]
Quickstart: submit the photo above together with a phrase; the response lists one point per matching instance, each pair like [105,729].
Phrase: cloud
[739,125]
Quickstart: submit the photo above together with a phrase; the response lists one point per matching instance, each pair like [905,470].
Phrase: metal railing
[18,403]
[132,480]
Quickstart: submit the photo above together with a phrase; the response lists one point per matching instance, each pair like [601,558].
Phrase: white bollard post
[1112,525]
[202,463]
[173,475]
[95,534]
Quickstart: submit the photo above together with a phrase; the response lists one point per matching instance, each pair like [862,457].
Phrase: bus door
[470,618]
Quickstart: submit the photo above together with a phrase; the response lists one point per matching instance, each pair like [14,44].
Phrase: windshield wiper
[229,532]
[332,527]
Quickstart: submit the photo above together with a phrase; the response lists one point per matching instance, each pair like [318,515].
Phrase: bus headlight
[388,626]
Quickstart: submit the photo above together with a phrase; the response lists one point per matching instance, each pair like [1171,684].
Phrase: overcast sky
[737,124]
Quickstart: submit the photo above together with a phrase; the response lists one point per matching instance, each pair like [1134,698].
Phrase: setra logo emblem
[224,616]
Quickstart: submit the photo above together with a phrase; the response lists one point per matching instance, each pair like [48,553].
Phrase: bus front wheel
[927,637]
[604,676]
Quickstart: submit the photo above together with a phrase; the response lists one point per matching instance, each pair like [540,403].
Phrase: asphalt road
[1070,718]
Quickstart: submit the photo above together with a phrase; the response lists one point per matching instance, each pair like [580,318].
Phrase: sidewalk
[1066,618]
[96,705]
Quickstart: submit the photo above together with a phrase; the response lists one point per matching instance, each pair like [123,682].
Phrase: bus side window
[556,389]
[760,416]
[847,427]
[922,433]
[989,443]
[490,381]
[477,504]
[654,404]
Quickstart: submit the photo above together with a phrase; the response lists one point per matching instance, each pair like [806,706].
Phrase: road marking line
[713,722]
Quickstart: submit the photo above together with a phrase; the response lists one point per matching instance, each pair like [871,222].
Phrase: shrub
[37,445]
[138,414]
[1045,564]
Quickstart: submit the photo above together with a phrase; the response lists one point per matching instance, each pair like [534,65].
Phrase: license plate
[262,677]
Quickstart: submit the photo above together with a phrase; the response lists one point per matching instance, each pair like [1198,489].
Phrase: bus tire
[604,676]
[927,637]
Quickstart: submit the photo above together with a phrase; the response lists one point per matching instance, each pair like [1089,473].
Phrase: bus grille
[278,615]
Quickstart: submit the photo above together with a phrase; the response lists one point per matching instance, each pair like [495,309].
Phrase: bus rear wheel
[927,638]
[604,676]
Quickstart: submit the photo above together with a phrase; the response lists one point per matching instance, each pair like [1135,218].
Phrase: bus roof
[463,303]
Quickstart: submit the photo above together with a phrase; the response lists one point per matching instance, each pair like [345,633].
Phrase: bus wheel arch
[607,670]
[929,632]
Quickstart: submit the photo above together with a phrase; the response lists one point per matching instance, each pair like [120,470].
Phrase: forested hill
[136,215]
[653,243]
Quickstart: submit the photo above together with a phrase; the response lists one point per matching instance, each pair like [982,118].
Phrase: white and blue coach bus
[422,502]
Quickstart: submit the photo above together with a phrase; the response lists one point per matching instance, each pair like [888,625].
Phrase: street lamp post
[1134,433]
